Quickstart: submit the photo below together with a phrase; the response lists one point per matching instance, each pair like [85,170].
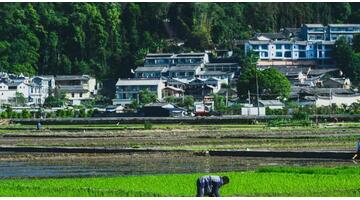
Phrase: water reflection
[40,165]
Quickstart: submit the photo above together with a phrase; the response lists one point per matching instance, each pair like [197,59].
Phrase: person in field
[210,185]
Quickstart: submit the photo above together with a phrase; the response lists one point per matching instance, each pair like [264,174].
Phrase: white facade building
[292,50]
[77,88]
[337,99]
[40,88]
[128,90]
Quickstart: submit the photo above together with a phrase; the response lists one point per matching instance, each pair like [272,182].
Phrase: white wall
[338,100]
[252,111]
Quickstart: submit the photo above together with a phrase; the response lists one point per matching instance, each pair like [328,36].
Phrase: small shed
[272,104]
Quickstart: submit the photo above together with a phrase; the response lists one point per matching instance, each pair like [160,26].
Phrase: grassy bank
[343,181]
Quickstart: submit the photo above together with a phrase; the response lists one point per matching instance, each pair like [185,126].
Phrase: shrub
[60,113]
[69,113]
[50,114]
[25,114]
[274,111]
[147,125]
[9,111]
[4,115]
[90,113]
[301,115]
[82,112]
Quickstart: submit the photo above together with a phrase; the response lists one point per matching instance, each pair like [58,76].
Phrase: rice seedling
[275,181]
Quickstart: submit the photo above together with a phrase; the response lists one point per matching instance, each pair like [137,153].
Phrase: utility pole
[249,97]
[257,91]
[298,99]
[227,96]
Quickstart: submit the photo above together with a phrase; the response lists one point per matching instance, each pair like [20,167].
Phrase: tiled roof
[71,77]
[138,82]
[221,64]
[273,36]
[214,73]
[317,72]
[314,25]
[184,68]
[343,25]
[73,88]
[271,102]
[174,88]
[151,69]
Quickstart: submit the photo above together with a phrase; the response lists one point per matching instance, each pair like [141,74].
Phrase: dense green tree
[342,54]
[19,98]
[146,97]
[356,43]
[107,40]
[272,84]
[188,102]
[219,103]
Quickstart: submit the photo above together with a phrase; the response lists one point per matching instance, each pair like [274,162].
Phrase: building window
[264,46]
[319,37]
[278,46]
[279,54]
[256,47]
[287,46]
[328,47]
[327,54]
[302,54]
[320,54]
[287,54]
[264,54]
[80,94]
[302,47]
[72,95]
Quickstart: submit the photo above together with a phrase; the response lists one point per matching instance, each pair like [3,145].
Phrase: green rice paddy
[344,181]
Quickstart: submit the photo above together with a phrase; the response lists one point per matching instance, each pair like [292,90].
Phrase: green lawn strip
[263,182]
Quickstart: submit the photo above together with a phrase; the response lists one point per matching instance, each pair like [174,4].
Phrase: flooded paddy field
[16,165]
[191,138]
[167,137]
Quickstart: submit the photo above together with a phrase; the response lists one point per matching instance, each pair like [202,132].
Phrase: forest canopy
[107,40]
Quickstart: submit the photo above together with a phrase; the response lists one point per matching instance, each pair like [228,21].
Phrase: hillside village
[303,55]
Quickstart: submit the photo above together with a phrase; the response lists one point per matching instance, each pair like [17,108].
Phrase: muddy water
[85,165]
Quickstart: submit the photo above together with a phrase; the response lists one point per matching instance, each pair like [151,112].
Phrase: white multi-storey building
[128,90]
[77,88]
[292,50]
[312,42]
[335,31]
